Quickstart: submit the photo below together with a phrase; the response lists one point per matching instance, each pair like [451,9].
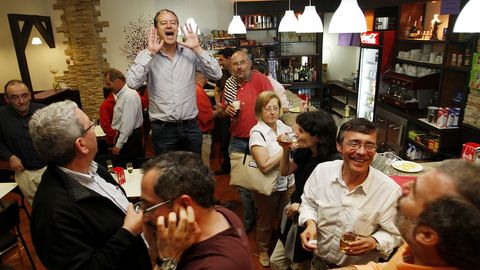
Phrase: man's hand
[116,151]
[191,39]
[310,233]
[154,45]
[361,246]
[174,240]
[16,163]
[133,221]
[230,110]
[292,209]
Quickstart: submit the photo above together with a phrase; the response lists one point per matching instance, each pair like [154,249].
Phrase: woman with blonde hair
[267,154]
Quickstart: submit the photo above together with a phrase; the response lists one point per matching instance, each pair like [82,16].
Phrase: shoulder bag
[245,173]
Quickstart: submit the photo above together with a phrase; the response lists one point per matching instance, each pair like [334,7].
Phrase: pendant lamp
[310,22]
[289,22]
[468,21]
[236,25]
[348,18]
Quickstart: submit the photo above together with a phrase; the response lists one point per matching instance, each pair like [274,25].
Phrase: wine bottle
[407,27]
[420,27]
[413,30]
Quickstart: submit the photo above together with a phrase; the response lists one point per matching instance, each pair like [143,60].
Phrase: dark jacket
[74,227]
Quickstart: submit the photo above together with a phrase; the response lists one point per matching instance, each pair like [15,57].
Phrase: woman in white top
[267,153]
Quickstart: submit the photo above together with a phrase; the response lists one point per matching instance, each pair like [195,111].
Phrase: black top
[221,83]
[15,138]
[75,228]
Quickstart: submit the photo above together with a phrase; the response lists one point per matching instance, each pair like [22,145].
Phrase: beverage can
[442,117]
[456,117]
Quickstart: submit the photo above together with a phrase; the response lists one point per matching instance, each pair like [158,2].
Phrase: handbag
[245,173]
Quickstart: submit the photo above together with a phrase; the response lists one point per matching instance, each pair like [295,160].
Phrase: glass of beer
[287,138]
[129,167]
[346,239]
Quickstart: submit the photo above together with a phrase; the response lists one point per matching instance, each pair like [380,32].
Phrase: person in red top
[106,116]
[205,117]
[249,85]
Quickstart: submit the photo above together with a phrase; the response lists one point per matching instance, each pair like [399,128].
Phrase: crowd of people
[330,207]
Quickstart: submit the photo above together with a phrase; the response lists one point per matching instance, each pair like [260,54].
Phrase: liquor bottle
[413,30]
[467,58]
[406,30]
[420,27]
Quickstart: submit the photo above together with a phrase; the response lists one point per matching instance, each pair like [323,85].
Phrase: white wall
[39,58]
[342,60]
[212,14]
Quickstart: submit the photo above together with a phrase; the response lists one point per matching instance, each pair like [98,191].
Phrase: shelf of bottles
[260,22]
[301,74]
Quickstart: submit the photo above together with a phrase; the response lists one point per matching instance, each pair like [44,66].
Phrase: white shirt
[369,209]
[96,183]
[270,142]
[279,91]
[127,114]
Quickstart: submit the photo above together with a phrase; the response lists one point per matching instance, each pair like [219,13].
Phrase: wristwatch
[167,263]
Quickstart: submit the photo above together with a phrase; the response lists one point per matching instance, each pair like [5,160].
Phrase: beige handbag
[245,173]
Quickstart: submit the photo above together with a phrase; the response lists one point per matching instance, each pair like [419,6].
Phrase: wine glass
[54,71]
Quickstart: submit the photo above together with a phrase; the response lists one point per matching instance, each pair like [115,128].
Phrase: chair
[9,176]
[10,228]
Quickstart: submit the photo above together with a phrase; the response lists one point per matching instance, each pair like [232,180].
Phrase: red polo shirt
[205,110]
[106,116]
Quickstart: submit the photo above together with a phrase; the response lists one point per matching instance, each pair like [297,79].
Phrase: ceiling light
[468,21]
[310,22]
[236,25]
[289,22]
[348,18]
[36,41]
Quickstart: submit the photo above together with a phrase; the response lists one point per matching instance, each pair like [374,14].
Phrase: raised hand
[191,39]
[154,44]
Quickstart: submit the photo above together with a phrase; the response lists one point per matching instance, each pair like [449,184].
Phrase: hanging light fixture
[36,41]
[236,25]
[310,22]
[289,22]
[348,18]
[468,20]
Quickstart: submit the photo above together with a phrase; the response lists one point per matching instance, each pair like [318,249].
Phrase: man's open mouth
[169,33]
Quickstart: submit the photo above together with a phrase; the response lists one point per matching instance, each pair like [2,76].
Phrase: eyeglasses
[355,145]
[271,109]
[139,207]
[23,96]
[94,123]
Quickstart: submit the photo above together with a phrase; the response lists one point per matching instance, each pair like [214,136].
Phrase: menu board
[472,109]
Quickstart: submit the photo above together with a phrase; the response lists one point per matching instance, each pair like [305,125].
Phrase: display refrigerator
[376,55]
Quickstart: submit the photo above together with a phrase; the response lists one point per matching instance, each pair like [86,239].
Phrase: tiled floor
[17,258]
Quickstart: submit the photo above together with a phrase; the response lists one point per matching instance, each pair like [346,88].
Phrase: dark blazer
[74,227]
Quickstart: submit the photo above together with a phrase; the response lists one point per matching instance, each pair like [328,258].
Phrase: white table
[6,188]
[132,183]
[99,131]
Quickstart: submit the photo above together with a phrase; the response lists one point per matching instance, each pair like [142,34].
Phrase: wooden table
[5,188]
[289,117]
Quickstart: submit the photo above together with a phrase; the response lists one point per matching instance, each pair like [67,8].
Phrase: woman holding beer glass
[267,154]
[315,132]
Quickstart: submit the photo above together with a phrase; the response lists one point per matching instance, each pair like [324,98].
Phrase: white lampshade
[348,18]
[289,22]
[309,22]
[468,20]
[236,26]
[36,41]
[192,23]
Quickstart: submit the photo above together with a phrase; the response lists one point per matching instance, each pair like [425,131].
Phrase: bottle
[454,60]
[413,30]
[467,58]
[346,113]
[460,60]
[420,27]
[407,27]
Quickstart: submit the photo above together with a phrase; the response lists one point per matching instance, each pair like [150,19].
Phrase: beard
[405,225]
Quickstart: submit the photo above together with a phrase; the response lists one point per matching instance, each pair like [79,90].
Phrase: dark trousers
[131,150]
[180,135]
[223,126]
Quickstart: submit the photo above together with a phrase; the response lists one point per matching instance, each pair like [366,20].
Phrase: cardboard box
[471,151]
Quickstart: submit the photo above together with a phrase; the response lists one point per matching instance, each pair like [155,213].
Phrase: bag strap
[246,149]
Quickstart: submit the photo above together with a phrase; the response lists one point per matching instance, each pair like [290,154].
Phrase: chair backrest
[9,216]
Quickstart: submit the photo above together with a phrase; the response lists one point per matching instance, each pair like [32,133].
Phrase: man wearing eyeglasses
[349,197]
[15,142]
[81,218]
[169,67]
[183,227]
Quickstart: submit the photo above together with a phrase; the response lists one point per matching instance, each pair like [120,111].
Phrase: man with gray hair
[81,218]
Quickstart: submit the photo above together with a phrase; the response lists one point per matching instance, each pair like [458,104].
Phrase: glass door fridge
[367,82]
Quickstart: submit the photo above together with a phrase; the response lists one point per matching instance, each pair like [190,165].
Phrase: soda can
[442,117]
[456,113]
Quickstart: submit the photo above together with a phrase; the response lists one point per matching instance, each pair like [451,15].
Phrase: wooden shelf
[298,55]
[419,40]
[301,85]
[457,68]
[419,63]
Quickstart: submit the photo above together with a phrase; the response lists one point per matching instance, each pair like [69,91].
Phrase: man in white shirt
[127,118]
[349,195]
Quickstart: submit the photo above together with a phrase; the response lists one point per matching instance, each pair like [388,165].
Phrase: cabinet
[342,95]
